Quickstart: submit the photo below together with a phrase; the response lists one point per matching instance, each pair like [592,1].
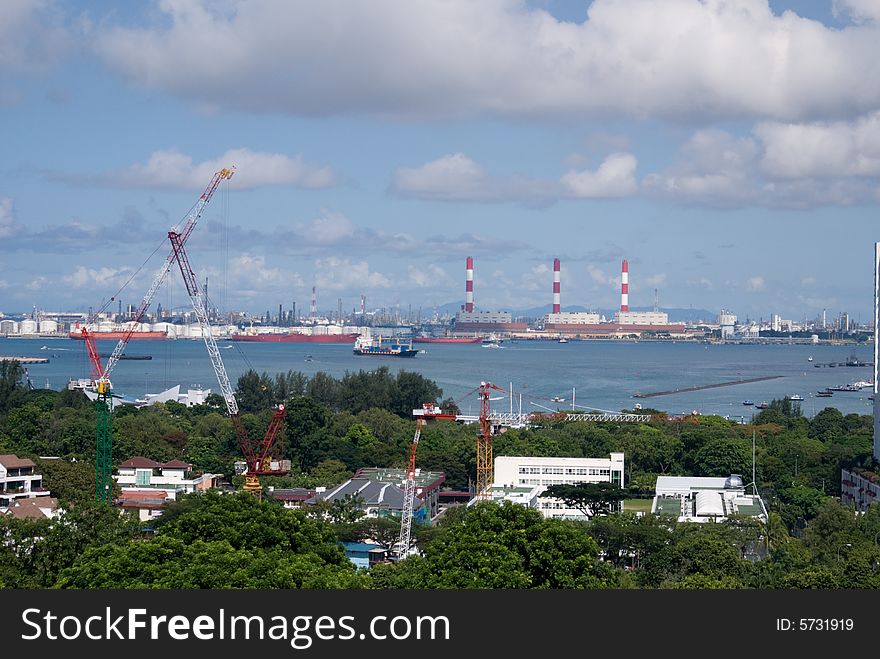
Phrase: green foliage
[221,541]
[504,546]
[722,457]
[70,482]
[589,498]
[11,389]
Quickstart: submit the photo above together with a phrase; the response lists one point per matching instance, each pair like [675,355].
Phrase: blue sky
[729,149]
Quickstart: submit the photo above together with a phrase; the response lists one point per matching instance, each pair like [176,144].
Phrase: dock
[706,386]
[25,360]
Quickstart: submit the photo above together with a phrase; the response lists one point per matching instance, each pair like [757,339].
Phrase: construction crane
[409,494]
[101,374]
[259,458]
[490,422]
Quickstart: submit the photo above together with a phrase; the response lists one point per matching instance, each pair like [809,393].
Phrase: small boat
[748,402]
[308,358]
[796,397]
[558,399]
[761,406]
[563,340]
[824,393]
[810,358]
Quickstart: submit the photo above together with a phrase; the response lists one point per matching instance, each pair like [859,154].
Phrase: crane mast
[409,494]
[485,463]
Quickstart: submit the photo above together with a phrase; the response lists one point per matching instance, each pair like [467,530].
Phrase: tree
[507,546]
[254,392]
[722,457]
[11,389]
[69,481]
[589,498]
[169,562]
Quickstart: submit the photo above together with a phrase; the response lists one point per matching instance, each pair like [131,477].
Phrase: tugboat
[384,347]
[796,397]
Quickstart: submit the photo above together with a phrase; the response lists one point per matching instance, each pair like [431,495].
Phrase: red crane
[261,456]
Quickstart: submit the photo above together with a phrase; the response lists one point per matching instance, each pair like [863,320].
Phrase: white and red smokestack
[556,305]
[469,286]
[313,311]
[624,287]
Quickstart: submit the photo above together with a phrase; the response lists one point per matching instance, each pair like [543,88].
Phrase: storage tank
[48,327]
[319,330]
[105,326]
[8,327]
[28,326]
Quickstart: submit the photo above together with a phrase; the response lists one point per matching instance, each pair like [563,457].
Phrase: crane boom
[258,459]
[189,223]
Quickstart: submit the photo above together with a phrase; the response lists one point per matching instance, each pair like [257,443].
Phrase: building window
[142,476]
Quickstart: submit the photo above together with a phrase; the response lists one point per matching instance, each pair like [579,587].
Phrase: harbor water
[604,375]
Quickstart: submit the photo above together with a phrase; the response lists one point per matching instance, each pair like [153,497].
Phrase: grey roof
[374,494]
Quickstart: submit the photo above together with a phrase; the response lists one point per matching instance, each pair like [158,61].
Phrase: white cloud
[615,177]
[714,167]
[808,281]
[32,35]
[456,177]
[860,11]
[755,284]
[450,177]
[97,277]
[251,271]
[175,170]
[427,276]
[337,274]
[7,217]
[328,228]
[600,277]
[39,283]
[821,150]
[779,166]
[643,58]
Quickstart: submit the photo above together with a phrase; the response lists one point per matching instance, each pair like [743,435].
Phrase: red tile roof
[140,495]
[176,464]
[14,462]
[140,462]
[30,508]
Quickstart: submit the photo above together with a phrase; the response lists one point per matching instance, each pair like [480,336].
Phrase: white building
[705,499]
[573,318]
[527,495]
[641,318]
[18,480]
[8,327]
[727,322]
[148,485]
[531,472]
[483,317]
[190,398]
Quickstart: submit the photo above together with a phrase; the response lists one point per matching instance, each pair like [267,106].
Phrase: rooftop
[140,462]
[424,479]
[14,462]
[374,494]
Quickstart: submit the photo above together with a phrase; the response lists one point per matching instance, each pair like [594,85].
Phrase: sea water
[601,375]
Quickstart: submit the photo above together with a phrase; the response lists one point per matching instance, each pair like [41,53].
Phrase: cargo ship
[292,337]
[116,336]
[446,339]
[392,347]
